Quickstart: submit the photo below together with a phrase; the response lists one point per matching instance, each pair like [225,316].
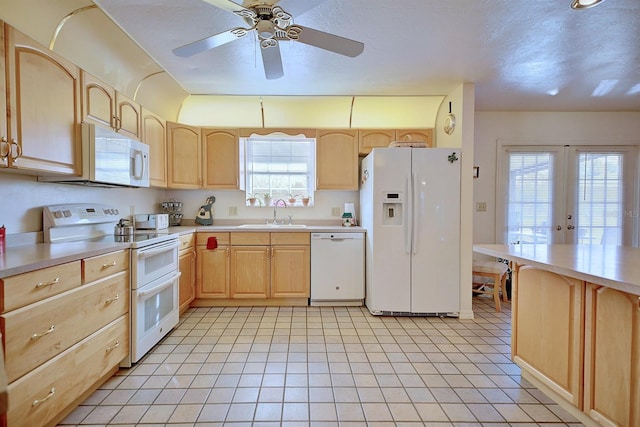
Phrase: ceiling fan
[272,25]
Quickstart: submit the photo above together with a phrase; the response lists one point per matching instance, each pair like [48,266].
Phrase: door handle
[570,227]
[558,227]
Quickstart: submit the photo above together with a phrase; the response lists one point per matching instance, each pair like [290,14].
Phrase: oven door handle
[149,292]
[143,253]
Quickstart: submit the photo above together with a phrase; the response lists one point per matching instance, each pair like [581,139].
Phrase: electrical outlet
[335,211]
[481,207]
[233,210]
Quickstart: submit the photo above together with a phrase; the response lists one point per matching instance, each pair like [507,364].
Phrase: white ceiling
[518,53]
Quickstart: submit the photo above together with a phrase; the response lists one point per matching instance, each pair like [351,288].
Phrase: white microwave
[109,159]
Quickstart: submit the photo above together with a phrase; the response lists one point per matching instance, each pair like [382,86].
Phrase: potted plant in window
[266,197]
[293,199]
[306,200]
[252,199]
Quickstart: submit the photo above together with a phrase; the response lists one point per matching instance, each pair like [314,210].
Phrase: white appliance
[410,208]
[154,277]
[151,221]
[109,159]
[337,269]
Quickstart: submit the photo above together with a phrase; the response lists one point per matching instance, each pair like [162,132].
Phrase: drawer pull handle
[45,284]
[113,347]
[41,334]
[48,396]
[110,300]
[111,264]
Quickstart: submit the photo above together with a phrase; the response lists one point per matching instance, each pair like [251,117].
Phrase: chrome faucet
[275,205]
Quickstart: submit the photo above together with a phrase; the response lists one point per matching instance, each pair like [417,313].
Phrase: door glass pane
[530,198]
[600,198]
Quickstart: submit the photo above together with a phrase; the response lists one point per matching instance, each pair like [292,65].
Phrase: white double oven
[154,272]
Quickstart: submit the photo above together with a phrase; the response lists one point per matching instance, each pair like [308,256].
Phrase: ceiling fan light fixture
[266,29]
[584,4]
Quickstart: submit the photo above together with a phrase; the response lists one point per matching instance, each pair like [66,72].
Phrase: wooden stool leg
[496,291]
[505,298]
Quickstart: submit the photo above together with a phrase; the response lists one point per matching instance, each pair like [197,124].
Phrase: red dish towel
[212,242]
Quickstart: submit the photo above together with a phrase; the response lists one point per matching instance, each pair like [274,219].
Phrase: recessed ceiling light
[584,4]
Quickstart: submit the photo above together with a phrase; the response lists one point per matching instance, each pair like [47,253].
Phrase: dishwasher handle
[336,237]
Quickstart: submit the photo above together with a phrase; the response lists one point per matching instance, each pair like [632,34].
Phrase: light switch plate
[481,207]
[335,211]
[233,210]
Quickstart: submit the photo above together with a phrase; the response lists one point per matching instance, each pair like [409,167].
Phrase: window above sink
[278,167]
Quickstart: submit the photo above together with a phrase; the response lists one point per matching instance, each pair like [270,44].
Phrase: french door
[567,194]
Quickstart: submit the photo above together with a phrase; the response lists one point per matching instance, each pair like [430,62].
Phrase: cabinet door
[250,271]
[44,107]
[368,139]
[154,134]
[128,120]
[425,135]
[187,266]
[4,132]
[220,158]
[337,160]
[290,272]
[183,150]
[548,330]
[213,276]
[98,101]
[612,356]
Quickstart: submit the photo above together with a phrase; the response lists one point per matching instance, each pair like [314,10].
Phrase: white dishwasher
[337,268]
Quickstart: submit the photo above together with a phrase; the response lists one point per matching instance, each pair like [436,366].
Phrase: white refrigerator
[410,208]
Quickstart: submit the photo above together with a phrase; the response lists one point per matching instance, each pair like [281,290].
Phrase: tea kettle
[123,228]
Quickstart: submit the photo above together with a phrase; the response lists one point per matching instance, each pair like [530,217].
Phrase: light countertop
[617,267]
[24,258]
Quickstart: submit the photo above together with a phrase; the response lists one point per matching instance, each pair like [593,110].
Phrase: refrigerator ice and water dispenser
[392,203]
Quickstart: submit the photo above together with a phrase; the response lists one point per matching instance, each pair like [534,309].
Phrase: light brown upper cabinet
[337,159]
[183,155]
[43,108]
[368,139]
[408,135]
[154,134]
[103,105]
[220,158]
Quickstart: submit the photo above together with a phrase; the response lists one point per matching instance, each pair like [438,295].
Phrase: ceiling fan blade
[337,44]
[210,42]
[272,60]
[227,5]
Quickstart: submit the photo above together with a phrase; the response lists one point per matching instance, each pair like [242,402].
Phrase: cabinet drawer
[22,289]
[201,238]
[186,242]
[104,265]
[38,397]
[290,239]
[250,239]
[38,332]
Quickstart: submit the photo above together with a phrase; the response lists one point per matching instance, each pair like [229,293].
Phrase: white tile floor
[332,366]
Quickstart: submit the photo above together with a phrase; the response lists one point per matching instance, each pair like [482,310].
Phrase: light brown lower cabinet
[253,268]
[548,330]
[64,336]
[187,267]
[582,342]
[612,356]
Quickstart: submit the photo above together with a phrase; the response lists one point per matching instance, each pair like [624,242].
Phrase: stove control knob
[67,213]
[57,214]
[116,212]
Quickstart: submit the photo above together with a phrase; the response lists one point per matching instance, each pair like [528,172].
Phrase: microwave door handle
[143,253]
[160,287]
[138,166]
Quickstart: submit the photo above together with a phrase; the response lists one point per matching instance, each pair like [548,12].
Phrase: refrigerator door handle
[415,205]
[408,216]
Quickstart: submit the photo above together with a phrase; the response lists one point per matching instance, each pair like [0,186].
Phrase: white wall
[538,128]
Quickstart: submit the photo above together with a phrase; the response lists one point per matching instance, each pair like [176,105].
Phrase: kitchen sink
[272,226]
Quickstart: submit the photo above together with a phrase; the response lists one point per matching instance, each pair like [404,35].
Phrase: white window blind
[530,197]
[279,167]
[600,198]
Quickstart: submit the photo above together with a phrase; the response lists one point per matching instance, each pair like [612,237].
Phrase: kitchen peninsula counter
[617,267]
[576,326]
